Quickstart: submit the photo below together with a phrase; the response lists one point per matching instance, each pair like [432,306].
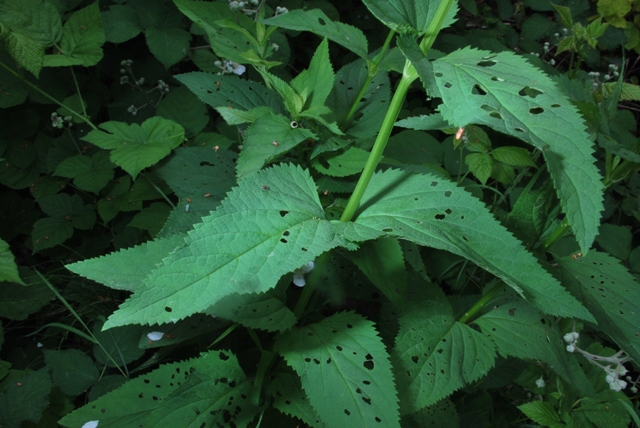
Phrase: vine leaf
[270,225]
[434,355]
[135,147]
[519,330]
[610,292]
[432,211]
[343,354]
[506,93]
[90,173]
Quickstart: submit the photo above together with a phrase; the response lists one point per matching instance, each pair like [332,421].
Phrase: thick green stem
[556,235]
[482,302]
[44,94]
[436,25]
[378,146]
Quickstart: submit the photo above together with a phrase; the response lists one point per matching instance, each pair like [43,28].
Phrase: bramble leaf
[432,211]
[8,267]
[136,147]
[270,225]
[343,354]
[72,370]
[25,398]
[88,173]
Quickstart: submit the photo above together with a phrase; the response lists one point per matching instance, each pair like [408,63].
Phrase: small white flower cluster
[298,274]
[615,383]
[235,5]
[163,87]
[571,339]
[133,109]
[280,11]
[540,383]
[59,122]
[613,72]
[230,67]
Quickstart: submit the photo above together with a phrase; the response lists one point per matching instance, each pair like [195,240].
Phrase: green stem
[378,146]
[556,235]
[49,97]
[159,190]
[266,359]
[73,74]
[372,70]
[483,302]
[436,25]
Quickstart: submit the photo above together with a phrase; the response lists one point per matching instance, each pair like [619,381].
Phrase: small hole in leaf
[223,356]
[286,233]
[339,348]
[321,21]
[447,85]
[284,241]
[307,360]
[366,382]
[304,249]
[495,115]
[497,79]
[434,183]
[528,91]
[555,105]
[168,309]
[536,110]
[368,365]
[478,90]
[317,361]
[518,129]
[387,229]
[440,216]
[349,326]
[486,107]
[448,194]
[415,359]
[448,211]
[366,400]
[283,213]
[346,412]
[439,74]
[486,63]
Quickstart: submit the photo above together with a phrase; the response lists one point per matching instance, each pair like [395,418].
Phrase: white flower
[540,383]
[155,336]
[298,274]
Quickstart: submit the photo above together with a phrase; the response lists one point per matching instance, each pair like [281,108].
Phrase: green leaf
[37,20]
[289,398]
[184,108]
[506,93]
[371,108]
[82,40]
[20,301]
[121,344]
[533,213]
[317,22]
[152,218]
[610,292]
[434,212]
[343,354]
[89,173]
[71,370]
[132,403]
[126,269]
[565,15]
[317,80]
[342,164]
[121,23]
[425,122]
[179,332]
[513,156]
[268,137]
[542,413]
[49,232]
[434,355]
[25,398]
[480,165]
[521,331]
[536,27]
[26,51]
[265,311]
[12,93]
[8,267]
[169,45]
[629,92]
[136,147]
[408,16]
[227,91]
[443,413]
[281,223]
[616,240]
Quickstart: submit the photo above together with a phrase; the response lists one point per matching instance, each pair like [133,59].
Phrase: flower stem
[482,302]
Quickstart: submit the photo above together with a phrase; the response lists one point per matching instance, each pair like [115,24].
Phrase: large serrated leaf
[228,91]
[434,355]
[289,398]
[431,211]
[345,371]
[610,292]
[25,398]
[506,93]
[126,269]
[317,22]
[134,401]
[271,224]
[519,330]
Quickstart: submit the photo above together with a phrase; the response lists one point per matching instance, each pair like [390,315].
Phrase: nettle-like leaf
[229,91]
[271,224]
[134,403]
[519,330]
[136,147]
[371,108]
[290,399]
[505,92]
[343,164]
[71,370]
[610,292]
[408,16]
[434,355]
[432,211]
[82,40]
[317,22]
[269,137]
[343,354]
[90,173]
[126,269]
[317,80]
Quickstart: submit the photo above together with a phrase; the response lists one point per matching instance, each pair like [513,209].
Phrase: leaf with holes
[519,330]
[434,355]
[610,292]
[342,164]
[133,402]
[289,398]
[432,211]
[270,225]
[317,22]
[505,92]
[343,354]
[135,147]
